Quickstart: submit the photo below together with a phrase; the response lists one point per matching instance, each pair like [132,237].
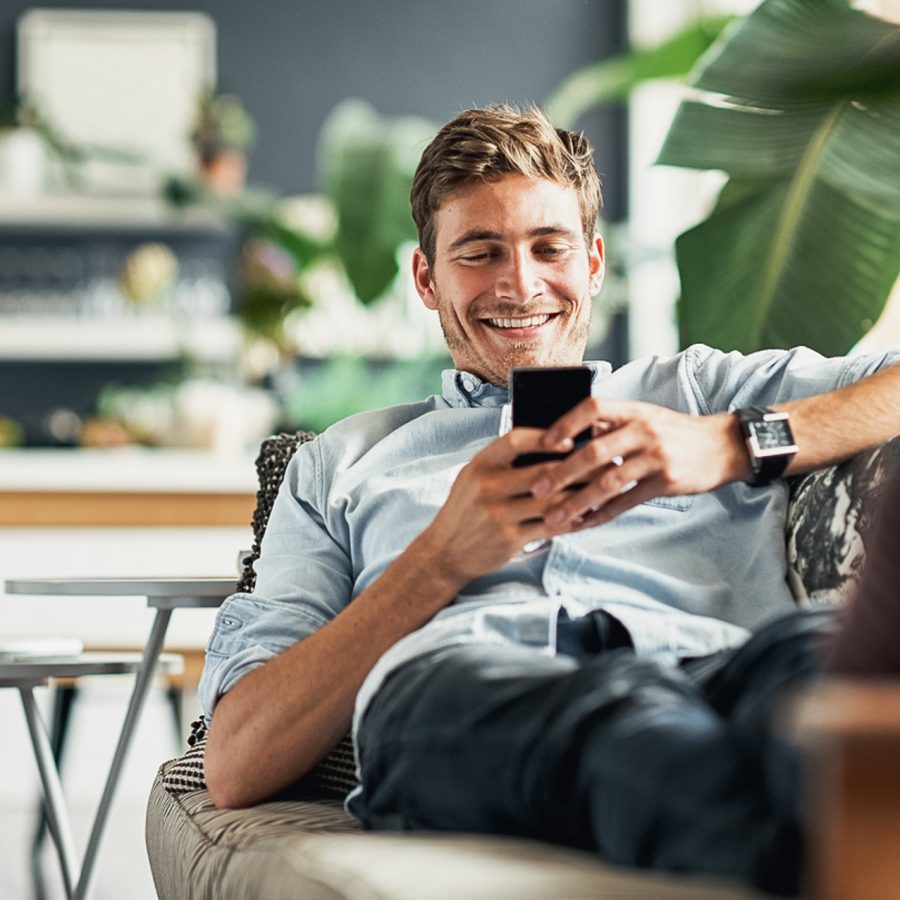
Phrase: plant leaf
[743,291]
[805,240]
[614,78]
[366,164]
[801,50]
[740,140]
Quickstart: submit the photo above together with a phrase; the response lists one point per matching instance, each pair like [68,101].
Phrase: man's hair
[482,145]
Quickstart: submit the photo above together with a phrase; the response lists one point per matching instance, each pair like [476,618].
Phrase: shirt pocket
[680,503]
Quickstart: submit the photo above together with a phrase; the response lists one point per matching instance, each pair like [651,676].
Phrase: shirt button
[468,382]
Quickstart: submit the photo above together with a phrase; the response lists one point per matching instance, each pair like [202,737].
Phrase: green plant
[344,385]
[613,79]
[801,108]
[222,125]
[269,290]
[366,165]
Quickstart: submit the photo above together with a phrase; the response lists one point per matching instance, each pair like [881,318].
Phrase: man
[604,690]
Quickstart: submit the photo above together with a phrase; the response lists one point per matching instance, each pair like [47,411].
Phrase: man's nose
[519,279]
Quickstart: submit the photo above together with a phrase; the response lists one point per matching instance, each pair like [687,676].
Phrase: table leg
[132,715]
[55,803]
[64,696]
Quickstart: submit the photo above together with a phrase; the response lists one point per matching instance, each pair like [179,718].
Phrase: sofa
[301,844]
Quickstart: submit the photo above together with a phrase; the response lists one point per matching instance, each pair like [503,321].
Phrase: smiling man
[612,690]
[511,273]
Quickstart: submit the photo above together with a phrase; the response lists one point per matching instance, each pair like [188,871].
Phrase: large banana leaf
[366,164]
[613,79]
[802,110]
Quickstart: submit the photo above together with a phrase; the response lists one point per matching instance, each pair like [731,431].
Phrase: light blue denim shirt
[686,575]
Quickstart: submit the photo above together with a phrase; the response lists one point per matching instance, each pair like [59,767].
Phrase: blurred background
[117,304]
[205,238]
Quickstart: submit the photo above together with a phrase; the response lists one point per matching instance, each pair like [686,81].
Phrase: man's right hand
[491,514]
[280,719]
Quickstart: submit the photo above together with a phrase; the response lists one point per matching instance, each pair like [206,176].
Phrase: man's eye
[553,250]
[479,257]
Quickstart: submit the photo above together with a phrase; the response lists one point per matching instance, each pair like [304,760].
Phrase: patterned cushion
[332,779]
[335,775]
[829,515]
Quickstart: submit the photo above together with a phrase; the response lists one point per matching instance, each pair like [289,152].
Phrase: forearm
[829,428]
[276,723]
[644,451]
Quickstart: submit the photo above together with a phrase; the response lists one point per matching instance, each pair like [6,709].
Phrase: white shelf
[82,211]
[141,338]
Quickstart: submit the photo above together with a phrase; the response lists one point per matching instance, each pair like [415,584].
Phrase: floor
[122,869]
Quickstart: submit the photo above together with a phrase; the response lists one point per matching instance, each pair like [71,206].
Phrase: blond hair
[485,144]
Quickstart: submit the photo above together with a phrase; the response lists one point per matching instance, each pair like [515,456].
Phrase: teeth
[527,322]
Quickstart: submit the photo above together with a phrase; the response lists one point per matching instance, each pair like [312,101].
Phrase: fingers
[640,493]
[503,450]
[592,413]
[601,457]
[634,480]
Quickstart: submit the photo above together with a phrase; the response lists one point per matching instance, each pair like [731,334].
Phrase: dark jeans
[670,767]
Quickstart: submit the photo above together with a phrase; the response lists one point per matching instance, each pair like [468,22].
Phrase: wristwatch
[770,442]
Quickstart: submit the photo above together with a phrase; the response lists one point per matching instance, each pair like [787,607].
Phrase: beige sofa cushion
[315,851]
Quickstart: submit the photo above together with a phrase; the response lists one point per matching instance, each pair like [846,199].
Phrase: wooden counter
[125,487]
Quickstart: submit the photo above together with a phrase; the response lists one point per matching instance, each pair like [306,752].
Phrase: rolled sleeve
[248,632]
[303,580]
[724,381]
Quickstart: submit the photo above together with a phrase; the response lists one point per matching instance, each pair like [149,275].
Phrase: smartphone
[540,395]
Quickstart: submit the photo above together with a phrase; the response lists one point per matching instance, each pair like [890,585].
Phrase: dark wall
[291,61]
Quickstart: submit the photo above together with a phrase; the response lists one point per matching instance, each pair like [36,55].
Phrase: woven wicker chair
[302,843]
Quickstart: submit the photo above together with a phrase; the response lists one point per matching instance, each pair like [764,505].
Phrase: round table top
[159,592]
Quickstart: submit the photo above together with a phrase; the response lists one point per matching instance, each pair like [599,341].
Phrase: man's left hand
[638,451]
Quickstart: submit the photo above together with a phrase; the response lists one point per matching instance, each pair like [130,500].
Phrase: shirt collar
[462,389]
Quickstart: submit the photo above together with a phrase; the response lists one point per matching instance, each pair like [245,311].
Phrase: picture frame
[118,80]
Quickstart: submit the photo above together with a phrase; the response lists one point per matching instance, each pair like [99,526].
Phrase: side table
[162,594]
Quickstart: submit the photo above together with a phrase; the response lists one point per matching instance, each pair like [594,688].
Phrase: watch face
[771,436]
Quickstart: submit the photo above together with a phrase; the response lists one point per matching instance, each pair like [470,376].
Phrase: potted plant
[221,136]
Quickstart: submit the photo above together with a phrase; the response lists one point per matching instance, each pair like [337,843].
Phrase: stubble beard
[520,353]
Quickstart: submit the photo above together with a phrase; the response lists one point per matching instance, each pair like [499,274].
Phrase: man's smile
[520,323]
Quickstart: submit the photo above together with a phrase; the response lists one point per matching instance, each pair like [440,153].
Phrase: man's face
[512,278]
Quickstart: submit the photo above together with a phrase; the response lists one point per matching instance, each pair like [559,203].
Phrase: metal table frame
[162,594]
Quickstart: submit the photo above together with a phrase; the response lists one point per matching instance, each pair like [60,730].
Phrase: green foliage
[366,165]
[222,125]
[801,108]
[270,289]
[613,79]
[343,385]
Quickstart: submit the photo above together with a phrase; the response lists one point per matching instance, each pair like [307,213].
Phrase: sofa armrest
[829,513]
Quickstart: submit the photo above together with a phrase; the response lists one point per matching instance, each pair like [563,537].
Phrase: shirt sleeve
[726,381]
[303,580]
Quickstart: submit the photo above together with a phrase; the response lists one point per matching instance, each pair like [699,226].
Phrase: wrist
[434,567]
[735,458]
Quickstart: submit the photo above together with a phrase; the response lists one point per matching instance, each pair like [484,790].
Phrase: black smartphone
[540,395]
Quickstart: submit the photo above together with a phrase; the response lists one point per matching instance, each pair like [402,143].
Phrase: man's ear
[422,277]
[597,263]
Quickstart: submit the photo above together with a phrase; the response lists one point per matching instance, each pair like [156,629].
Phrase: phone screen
[541,395]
